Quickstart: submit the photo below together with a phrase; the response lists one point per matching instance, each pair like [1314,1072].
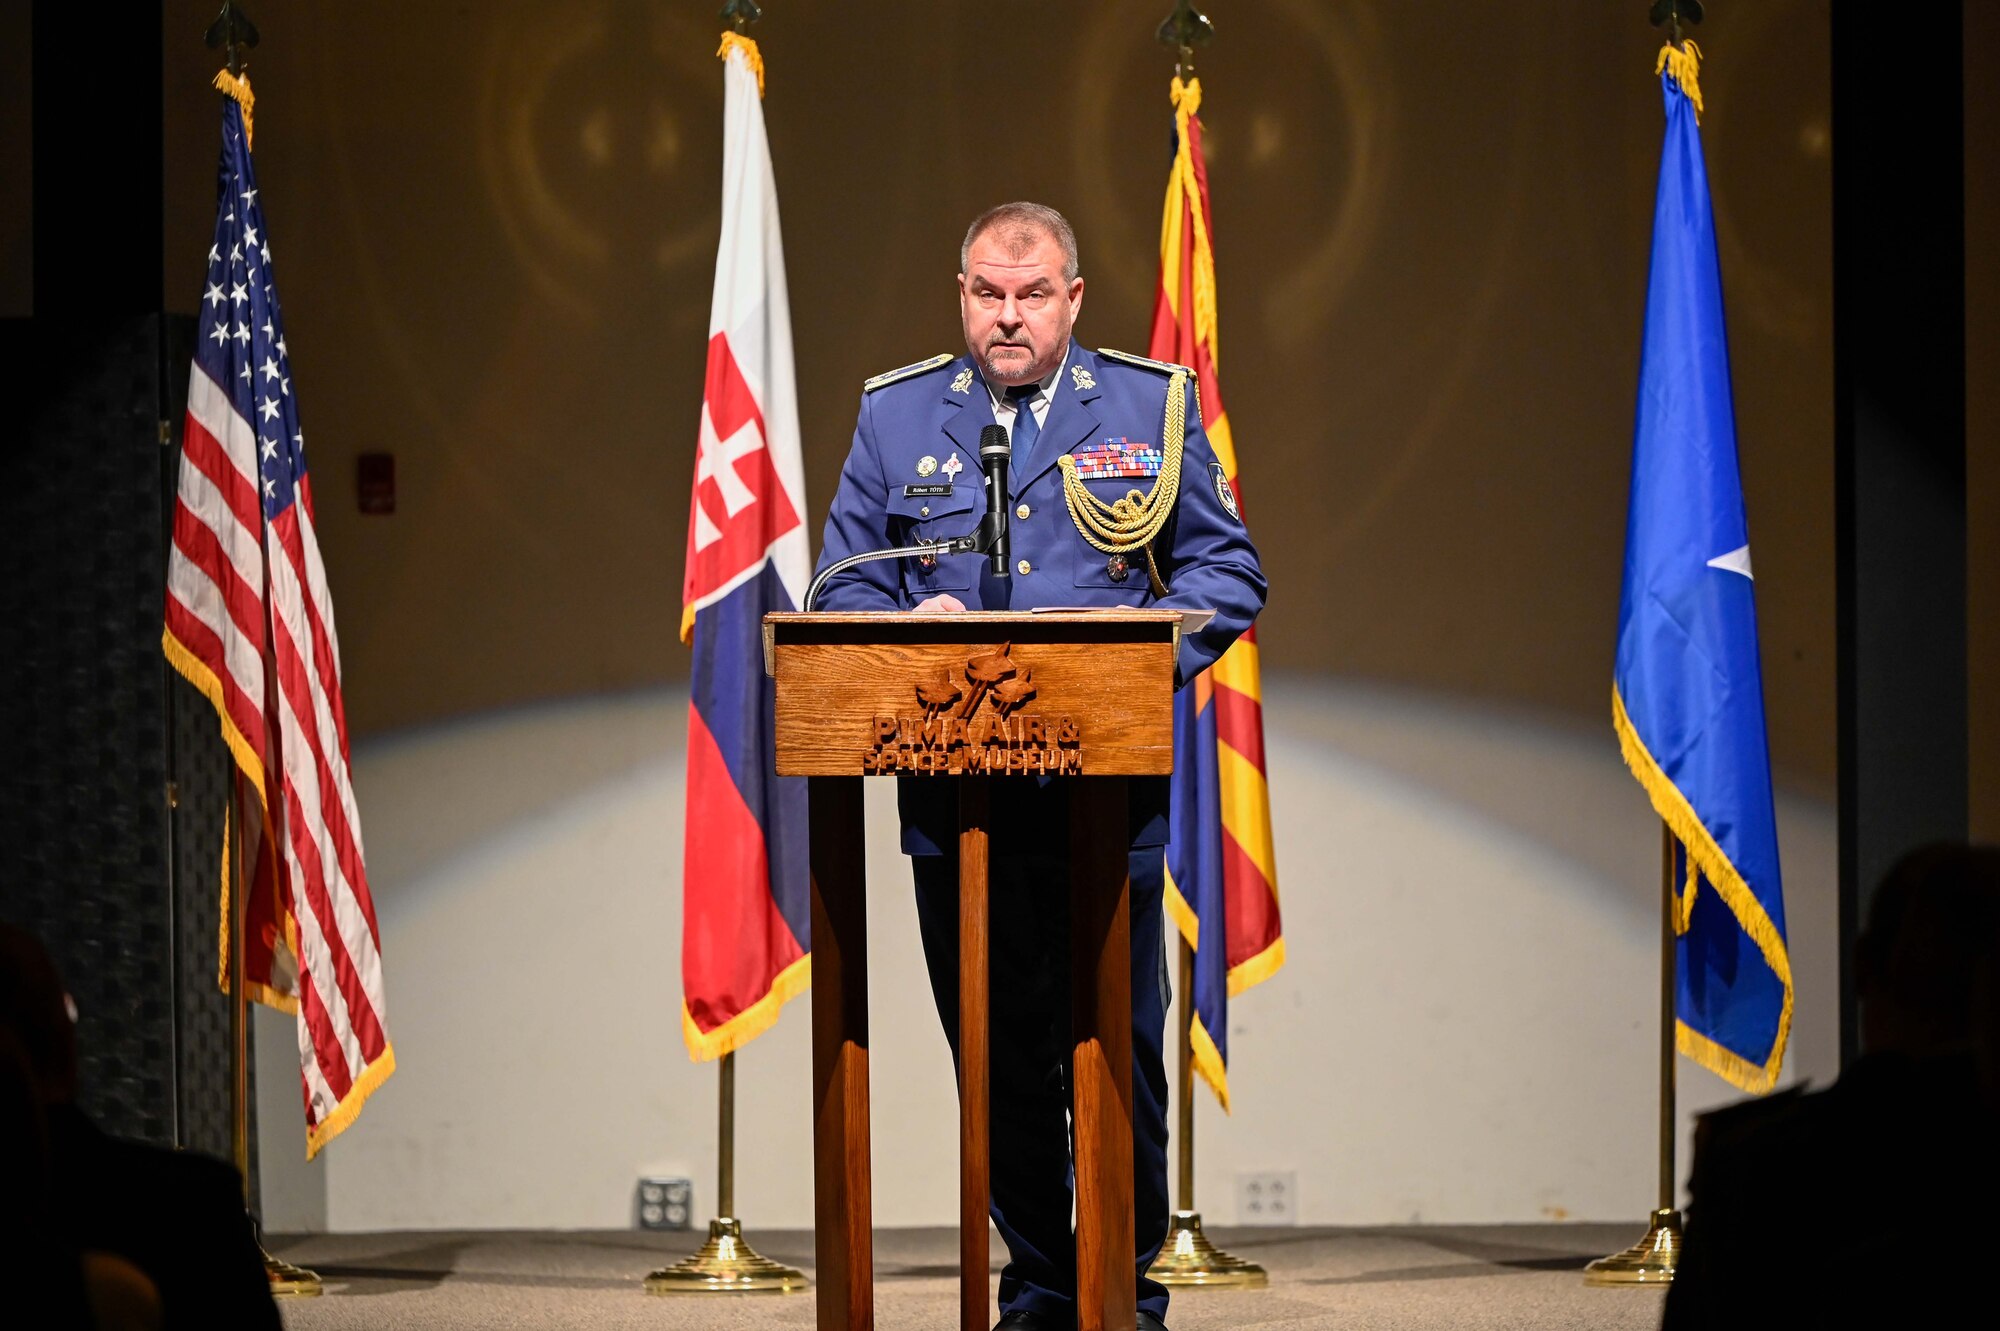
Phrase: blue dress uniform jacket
[914,474]
[1205,556]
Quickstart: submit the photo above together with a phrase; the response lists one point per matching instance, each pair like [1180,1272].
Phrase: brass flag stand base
[1189,1260]
[726,1264]
[289,1280]
[1650,1261]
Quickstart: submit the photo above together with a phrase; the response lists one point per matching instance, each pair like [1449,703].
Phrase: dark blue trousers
[1033,1179]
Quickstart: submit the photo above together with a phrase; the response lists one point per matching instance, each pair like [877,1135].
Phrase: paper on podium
[1192,621]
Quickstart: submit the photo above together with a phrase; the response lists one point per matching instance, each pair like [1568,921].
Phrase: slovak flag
[745,938]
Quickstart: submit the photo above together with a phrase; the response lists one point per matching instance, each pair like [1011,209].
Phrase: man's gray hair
[1020,227]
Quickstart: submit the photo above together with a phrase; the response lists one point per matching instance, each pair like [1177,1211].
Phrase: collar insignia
[963,384]
[1081,378]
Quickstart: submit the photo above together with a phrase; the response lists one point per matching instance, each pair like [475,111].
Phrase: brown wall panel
[495,230]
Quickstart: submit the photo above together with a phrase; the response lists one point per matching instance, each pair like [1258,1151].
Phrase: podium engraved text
[970,725]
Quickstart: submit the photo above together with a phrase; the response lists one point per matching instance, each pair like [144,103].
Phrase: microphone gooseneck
[990,537]
[994,453]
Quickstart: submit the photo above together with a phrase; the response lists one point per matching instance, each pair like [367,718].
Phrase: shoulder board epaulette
[884,380]
[1163,366]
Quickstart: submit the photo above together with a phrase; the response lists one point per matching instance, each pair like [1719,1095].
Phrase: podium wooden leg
[1101,1062]
[974,1054]
[843,1242]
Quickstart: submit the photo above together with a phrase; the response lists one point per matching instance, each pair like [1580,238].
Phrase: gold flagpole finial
[234,33]
[1185,29]
[1669,14]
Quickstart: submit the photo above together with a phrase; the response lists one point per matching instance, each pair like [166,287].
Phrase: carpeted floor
[1410,1279]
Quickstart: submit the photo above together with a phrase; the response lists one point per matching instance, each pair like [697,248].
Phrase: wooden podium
[974,698]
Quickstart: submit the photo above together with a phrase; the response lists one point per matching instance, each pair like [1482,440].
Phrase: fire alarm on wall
[375,482]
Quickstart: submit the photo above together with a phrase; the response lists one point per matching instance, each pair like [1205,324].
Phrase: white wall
[1465,1031]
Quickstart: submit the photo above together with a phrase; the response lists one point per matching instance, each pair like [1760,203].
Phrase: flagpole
[1651,1261]
[1184,1109]
[725,1132]
[726,1263]
[1189,1259]
[1668,1191]
[1654,1258]
[233,32]
[239,1007]
[284,1278]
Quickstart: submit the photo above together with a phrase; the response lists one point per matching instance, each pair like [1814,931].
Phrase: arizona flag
[1222,880]
[745,921]
[1687,694]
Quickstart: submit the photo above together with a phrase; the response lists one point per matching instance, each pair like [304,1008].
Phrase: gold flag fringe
[736,41]
[1707,859]
[237,86]
[1684,63]
[752,1021]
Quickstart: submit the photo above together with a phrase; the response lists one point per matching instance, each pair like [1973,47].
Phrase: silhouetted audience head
[1928,943]
[175,1252]
[1901,1152]
[66,1287]
[36,1007]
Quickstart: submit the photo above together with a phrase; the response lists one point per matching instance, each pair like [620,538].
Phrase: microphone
[994,451]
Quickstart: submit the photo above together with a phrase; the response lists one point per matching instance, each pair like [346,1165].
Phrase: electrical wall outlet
[664,1203]
[1269,1198]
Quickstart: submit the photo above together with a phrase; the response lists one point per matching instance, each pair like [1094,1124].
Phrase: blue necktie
[1026,430]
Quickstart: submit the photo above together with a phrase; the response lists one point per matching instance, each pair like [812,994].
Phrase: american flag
[250,623]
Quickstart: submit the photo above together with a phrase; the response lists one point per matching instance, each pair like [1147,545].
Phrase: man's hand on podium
[944,603]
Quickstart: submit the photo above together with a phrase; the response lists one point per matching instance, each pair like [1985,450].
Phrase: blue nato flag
[1687,695]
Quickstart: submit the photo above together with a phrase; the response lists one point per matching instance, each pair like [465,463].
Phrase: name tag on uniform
[925,491]
[1117,459]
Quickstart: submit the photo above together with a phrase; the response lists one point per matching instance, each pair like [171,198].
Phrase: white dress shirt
[1045,393]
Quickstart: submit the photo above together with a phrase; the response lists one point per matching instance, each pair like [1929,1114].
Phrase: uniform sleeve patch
[1224,491]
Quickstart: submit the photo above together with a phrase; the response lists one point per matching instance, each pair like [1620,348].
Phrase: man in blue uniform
[1117,501]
